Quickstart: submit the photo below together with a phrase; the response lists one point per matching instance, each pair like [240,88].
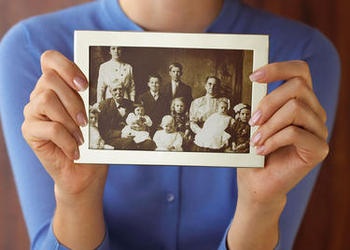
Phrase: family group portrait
[169,99]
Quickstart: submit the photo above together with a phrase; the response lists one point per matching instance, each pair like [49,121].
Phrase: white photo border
[258,43]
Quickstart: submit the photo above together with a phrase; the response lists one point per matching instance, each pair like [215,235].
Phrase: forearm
[255,226]
[78,221]
[101,91]
[132,90]
[194,127]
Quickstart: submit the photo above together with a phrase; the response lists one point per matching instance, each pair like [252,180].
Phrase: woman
[88,207]
[115,70]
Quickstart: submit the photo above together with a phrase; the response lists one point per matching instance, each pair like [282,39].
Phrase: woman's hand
[51,127]
[292,134]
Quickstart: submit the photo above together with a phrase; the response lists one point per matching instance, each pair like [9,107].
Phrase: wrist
[88,197]
[82,189]
[271,205]
[78,222]
[255,224]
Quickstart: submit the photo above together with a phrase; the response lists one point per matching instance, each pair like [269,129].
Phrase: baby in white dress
[137,125]
[213,134]
[168,139]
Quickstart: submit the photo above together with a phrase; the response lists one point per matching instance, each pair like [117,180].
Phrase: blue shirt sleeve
[51,242]
[223,243]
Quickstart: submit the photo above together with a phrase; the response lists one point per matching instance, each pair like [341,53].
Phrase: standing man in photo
[155,102]
[177,88]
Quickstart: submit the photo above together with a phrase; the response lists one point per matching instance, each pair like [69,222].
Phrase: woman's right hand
[52,121]
[51,127]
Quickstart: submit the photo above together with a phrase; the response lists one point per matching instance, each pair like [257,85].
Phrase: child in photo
[137,125]
[241,129]
[168,139]
[95,140]
[181,118]
[213,135]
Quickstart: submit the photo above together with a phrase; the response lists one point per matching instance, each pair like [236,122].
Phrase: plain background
[326,222]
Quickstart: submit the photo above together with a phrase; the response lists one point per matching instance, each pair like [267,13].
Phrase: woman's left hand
[292,132]
[293,136]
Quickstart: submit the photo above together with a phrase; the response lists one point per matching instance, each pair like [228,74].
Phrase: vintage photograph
[170,99]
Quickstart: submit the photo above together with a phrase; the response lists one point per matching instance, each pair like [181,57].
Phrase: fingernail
[255,118]
[256,138]
[82,120]
[78,137]
[80,83]
[76,154]
[257,75]
[260,150]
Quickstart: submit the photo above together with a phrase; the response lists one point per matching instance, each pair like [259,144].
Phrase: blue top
[151,207]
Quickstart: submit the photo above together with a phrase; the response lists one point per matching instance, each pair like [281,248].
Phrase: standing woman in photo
[115,70]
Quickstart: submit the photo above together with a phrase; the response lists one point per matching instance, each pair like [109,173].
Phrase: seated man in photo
[112,120]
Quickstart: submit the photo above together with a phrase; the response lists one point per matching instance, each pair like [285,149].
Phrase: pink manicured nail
[79,138]
[80,83]
[260,150]
[76,154]
[82,120]
[255,118]
[257,75]
[256,138]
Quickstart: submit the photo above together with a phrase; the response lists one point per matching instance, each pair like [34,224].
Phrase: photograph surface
[169,98]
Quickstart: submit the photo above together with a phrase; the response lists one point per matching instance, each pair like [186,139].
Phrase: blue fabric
[151,207]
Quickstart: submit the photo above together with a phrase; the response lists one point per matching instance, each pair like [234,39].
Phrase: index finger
[283,71]
[66,69]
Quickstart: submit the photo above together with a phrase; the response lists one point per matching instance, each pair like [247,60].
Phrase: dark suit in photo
[155,109]
[182,90]
[111,121]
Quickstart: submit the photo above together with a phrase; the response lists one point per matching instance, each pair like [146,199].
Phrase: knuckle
[324,151]
[54,128]
[26,111]
[24,128]
[303,65]
[47,55]
[291,133]
[50,75]
[45,98]
[305,72]
[26,131]
[323,115]
[294,104]
[45,81]
[300,84]
[294,107]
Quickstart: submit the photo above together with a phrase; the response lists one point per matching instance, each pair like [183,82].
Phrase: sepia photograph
[170,99]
